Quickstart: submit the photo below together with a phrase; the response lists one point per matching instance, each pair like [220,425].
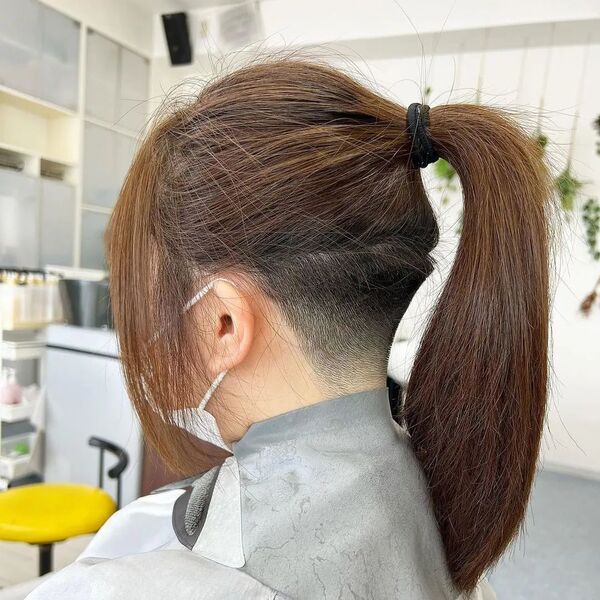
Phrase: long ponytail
[476,398]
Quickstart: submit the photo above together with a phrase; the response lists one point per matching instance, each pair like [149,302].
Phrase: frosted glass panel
[19,222]
[106,159]
[102,73]
[60,58]
[57,223]
[100,172]
[133,91]
[93,226]
[126,147]
[20,35]
[19,68]
[21,22]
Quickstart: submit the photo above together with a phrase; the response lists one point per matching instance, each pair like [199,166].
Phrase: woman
[267,241]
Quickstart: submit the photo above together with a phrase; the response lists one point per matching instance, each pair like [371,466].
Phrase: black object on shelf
[86,303]
[25,480]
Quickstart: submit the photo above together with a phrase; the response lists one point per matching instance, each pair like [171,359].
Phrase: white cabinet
[39,51]
[19,225]
[93,226]
[124,152]
[107,156]
[106,159]
[133,91]
[99,166]
[60,58]
[86,397]
[20,45]
[57,223]
[116,83]
[21,23]
[38,221]
[43,129]
[116,96]
[102,72]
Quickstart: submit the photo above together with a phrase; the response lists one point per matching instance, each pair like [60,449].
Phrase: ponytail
[318,206]
[476,397]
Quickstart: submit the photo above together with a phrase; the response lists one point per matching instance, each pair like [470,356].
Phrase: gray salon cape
[325,502]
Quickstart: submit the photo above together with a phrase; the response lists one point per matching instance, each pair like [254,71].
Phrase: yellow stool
[46,513]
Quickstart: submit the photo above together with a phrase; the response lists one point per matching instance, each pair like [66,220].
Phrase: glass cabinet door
[19,225]
[133,91]
[93,226]
[106,159]
[125,150]
[100,185]
[59,59]
[57,223]
[102,77]
[20,46]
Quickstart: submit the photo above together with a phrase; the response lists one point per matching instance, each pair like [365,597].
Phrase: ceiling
[164,6]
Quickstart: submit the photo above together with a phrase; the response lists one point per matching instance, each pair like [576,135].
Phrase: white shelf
[26,325]
[12,467]
[32,399]
[33,104]
[105,210]
[112,127]
[9,413]
[28,153]
[21,350]
[38,129]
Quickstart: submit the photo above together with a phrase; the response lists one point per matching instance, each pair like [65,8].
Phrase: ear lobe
[233,327]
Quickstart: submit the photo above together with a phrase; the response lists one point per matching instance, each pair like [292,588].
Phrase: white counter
[96,341]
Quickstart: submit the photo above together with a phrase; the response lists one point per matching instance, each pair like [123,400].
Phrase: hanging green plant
[591,220]
[446,173]
[590,300]
[444,170]
[567,186]
[459,224]
[541,140]
[427,95]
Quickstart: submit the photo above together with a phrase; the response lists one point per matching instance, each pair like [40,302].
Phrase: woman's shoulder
[152,576]
[143,525]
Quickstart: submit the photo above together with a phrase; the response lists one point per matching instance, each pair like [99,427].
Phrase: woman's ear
[231,324]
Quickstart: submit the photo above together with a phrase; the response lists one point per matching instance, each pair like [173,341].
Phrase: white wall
[505,49]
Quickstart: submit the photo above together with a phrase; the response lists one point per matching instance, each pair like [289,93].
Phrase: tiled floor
[557,559]
[18,562]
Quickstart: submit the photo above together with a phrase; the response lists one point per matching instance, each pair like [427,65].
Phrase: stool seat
[45,513]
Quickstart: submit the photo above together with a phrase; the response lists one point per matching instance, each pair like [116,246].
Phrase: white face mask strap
[211,390]
[199,295]
[202,292]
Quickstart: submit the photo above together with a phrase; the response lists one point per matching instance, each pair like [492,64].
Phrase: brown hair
[298,178]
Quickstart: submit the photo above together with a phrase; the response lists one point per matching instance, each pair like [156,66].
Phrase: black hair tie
[422,152]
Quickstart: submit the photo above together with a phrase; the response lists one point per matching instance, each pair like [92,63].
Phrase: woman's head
[294,182]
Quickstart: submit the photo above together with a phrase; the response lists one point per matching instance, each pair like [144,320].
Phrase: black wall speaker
[178,38]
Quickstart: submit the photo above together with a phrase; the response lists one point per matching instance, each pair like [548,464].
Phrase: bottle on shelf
[11,392]
[29,299]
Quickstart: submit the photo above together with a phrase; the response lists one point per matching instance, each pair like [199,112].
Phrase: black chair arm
[116,470]
[120,453]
